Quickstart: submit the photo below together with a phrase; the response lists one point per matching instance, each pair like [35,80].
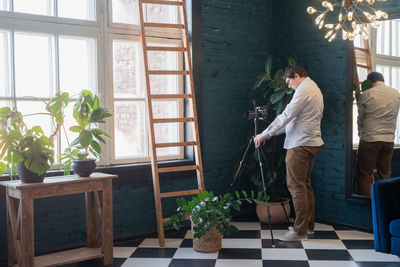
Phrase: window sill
[131,173]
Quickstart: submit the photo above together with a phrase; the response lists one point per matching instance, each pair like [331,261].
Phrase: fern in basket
[206,210]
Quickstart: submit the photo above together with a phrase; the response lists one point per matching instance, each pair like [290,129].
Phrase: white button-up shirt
[301,119]
[377,113]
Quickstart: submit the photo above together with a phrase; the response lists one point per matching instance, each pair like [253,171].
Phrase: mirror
[384,50]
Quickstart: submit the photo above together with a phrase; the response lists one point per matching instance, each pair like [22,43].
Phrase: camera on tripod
[259,113]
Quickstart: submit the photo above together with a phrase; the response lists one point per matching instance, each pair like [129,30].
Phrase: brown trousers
[299,164]
[373,155]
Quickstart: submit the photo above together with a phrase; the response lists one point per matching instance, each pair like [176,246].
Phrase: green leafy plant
[88,114]
[276,95]
[365,85]
[207,209]
[18,143]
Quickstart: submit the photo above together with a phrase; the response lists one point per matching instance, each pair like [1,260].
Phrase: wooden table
[99,223]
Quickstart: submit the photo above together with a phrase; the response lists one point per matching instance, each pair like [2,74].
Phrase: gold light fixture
[353,18]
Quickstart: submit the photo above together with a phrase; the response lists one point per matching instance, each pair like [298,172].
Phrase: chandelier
[353,18]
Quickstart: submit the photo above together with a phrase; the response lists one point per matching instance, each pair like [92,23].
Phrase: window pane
[77,9]
[31,107]
[4,5]
[396,38]
[166,132]
[161,13]
[78,68]
[34,64]
[383,35]
[130,133]
[5,70]
[161,60]
[68,122]
[125,11]
[127,69]
[37,7]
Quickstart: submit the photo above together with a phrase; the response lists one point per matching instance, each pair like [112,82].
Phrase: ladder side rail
[188,61]
[149,109]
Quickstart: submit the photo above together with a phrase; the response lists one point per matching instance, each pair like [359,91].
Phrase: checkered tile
[252,246]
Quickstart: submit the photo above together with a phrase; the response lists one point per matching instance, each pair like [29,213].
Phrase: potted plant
[27,151]
[276,96]
[210,216]
[87,113]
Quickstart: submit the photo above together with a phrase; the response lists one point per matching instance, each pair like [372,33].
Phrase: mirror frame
[350,196]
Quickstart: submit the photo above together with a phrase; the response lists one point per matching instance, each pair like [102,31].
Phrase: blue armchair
[385,198]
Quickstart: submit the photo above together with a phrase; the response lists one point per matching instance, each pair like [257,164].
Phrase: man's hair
[375,77]
[291,70]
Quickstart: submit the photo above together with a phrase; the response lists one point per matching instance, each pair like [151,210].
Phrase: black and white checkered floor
[252,246]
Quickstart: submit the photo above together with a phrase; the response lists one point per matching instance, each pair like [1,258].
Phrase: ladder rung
[363,66]
[161,2]
[362,49]
[180,193]
[163,25]
[168,72]
[163,96]
[178,169]
[176,144]
[173,120]
[165,48]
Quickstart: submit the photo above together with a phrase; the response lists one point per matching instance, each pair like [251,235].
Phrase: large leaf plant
[87,113]
[276,95]
[19,143]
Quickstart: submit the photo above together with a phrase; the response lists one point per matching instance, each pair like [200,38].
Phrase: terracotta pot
[210,242]
[277,213]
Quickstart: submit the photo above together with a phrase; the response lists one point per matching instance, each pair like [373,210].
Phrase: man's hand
[259,139]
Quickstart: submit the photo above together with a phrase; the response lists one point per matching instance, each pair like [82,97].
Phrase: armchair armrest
[385,201]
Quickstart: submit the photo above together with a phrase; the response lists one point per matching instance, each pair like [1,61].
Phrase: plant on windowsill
[27,151]
[276,95]
[210,216]
[87,112]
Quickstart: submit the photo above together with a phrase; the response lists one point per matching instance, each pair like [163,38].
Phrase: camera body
[259,113]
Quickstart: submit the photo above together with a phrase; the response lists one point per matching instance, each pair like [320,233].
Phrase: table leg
[91,226]
[27,230]
[107,222]
[12,214]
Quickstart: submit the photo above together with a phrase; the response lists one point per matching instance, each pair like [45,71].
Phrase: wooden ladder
[188,74]
[362,59]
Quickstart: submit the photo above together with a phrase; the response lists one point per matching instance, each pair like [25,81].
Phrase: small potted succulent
[210,216]
[87,113]
[27,151]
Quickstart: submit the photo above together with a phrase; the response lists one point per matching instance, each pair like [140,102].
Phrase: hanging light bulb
[332,37]
[370,2]
[329,26]
[337,27]
[340,17]
[328,5]
[328,34]
[321,24]
[319,18]
[350,16]
[311,10]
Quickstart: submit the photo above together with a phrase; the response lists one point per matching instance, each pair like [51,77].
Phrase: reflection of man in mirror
[301,121]
[378,108]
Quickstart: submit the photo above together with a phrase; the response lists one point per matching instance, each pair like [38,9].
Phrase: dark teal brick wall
[236,41]
[294,33]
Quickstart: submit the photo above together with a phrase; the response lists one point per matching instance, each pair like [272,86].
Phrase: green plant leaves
[85,138]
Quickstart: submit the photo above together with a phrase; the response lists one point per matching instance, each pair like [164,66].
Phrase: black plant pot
[83,167]
[27,176]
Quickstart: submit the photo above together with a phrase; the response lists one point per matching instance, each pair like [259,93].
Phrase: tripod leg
[284,210]
[242,160]
[270,227]
[261,169]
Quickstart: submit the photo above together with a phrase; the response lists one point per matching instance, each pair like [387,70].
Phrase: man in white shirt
[378,108]
[301,121]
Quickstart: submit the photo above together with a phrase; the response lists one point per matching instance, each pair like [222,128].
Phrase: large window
[385,55]
[49,46]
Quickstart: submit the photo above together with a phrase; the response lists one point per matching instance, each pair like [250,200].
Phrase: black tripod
[256,116]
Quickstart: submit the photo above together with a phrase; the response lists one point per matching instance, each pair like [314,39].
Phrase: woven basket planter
[210,242]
